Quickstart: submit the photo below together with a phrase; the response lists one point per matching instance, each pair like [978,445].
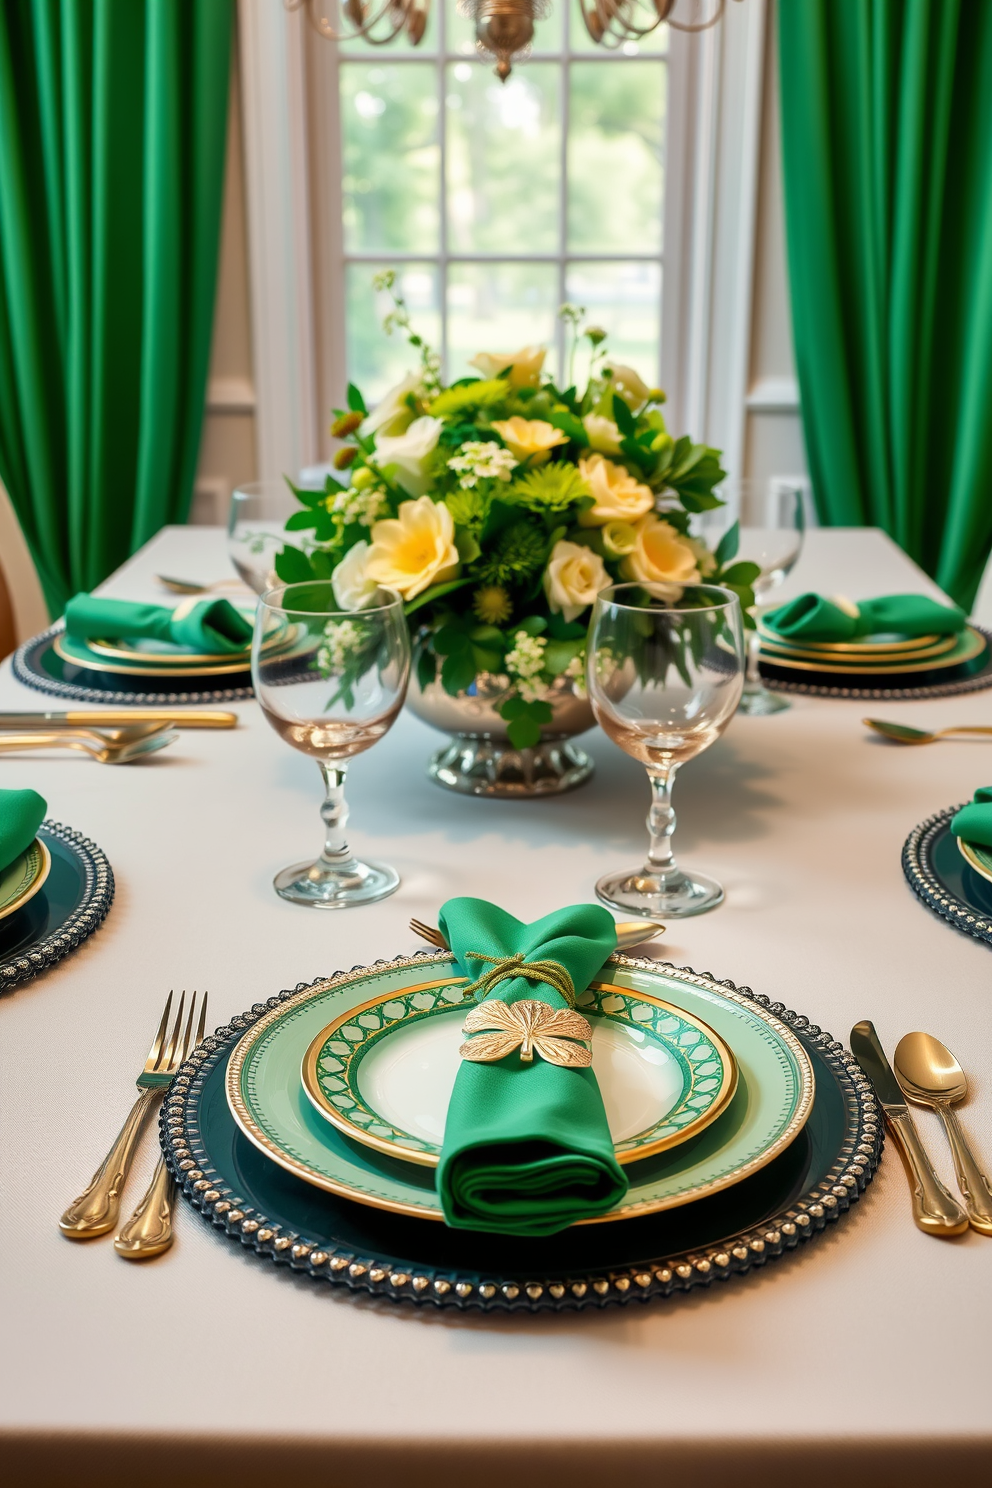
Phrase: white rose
[392,414]
[415,550]
[663,560]
[630,385]
[352,588]
[618,496]
[603,434]
[526,365]
[408,453]
[573,578]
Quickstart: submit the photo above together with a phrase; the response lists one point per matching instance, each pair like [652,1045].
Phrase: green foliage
[355,400]
[467,648]
[292,566]
[524,721]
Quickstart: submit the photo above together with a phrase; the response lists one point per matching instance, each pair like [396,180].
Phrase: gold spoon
[629,933]
[190,586]
[931,1076]
[901,733]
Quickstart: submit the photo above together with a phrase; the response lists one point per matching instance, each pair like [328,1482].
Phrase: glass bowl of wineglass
[665,677]
[331,683]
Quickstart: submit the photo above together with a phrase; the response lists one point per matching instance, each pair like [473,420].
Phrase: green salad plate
[767,1107]
[24,877]
[256,1197]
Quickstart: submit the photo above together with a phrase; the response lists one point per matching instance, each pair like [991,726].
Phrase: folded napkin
[201,624]
[974,821]
[21,814]
[813,618]
[527,1150]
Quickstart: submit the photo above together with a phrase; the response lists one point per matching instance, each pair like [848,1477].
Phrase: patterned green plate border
[22,879]
[331,1250]
[332,1063]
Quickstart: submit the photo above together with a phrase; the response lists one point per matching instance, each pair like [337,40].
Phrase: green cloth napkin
[813,618]
[205,625]
[974,821]
[527,1150]
[21,814]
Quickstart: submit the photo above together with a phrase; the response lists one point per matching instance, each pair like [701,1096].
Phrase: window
[496,202]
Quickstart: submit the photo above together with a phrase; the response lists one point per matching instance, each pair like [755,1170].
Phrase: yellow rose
[414,550]
[662,558]
[630,385]
[526,365]
[619,497]
[573,578]
[531,439]
[603,434]
[619,538]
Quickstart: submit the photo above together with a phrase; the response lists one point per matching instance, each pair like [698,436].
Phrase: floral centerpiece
[499,506]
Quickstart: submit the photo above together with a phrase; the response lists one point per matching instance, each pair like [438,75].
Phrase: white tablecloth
[867,1354]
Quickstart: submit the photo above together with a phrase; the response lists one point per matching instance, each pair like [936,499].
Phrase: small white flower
[482,460]
[342,639]
[525,663]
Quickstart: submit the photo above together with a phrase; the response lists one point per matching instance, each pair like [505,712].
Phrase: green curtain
[112,135]
[887,153]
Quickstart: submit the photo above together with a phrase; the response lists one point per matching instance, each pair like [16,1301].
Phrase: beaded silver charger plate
[37,664]
[71,903]
[253,1202]
[942,877]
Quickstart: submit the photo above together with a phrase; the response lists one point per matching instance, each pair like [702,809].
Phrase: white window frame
[296,251]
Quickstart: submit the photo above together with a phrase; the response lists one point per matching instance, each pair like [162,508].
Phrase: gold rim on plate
[118,668]
[357,1133]
[855,646]
[300,1169]
[940,647]
[40,852]
[970,856]
[976,645]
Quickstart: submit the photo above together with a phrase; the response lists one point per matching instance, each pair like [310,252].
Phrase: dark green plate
[944,880]
[261,1206]
[70,905]
[37,664]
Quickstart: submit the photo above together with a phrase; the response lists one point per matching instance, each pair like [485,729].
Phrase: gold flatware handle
[973,1183]
[934,1209]
[118,718]
[149,1230]
[629,933]
[95,1211]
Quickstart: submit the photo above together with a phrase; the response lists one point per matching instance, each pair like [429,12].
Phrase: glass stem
[753,678]
[334,812]
[661,826]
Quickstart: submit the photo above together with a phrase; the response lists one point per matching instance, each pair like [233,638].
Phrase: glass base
[320,888]
[477,766]
[757,701]
[673,896]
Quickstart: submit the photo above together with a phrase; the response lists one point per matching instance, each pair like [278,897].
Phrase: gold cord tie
[505,968]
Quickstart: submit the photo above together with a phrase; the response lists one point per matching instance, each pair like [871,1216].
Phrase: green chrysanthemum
[549,487]
[519,551]
[472,397]
[492,604]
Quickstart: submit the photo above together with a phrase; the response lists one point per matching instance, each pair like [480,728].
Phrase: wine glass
[664,682]
[255,532]
[775,547]
[331,682]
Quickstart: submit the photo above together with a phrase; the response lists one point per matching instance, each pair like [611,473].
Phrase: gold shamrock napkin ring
[531,1027]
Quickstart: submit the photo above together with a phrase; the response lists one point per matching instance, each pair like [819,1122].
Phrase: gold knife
[120,718]
[934,1210]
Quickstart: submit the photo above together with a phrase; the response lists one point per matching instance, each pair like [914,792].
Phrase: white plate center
[408,1077]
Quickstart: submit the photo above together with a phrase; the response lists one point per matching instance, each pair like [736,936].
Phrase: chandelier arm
[402,13]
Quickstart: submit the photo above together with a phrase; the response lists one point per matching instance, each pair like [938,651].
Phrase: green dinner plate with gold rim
[969,645]
[771,1103]
[24,877]
[884,642]
[978,856]
[81,654]
[383,1073]
[853,656]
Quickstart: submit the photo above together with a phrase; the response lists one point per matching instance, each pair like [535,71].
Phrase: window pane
[615,156]
[391,159]
[503,159]
[625,299]
[499,307]
[655,44]
[461,30]
[377,361]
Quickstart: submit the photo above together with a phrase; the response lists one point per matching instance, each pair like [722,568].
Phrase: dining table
[863,1357]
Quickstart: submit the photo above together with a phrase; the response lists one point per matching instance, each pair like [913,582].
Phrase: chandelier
[504,29]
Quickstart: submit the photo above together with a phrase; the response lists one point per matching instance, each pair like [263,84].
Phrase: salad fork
[95,1211]
[149,1230]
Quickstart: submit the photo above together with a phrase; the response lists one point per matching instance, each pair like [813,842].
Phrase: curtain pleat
[112,133]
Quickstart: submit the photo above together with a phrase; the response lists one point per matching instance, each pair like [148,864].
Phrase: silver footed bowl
[479,759]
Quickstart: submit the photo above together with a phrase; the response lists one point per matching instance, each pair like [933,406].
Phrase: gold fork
[95,1211]
[629,933]
[149,1230]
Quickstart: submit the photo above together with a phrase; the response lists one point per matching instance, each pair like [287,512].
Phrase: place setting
[947,861]
[56,887]
[896,646]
